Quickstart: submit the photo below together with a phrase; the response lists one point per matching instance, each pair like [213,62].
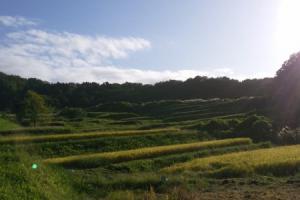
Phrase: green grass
[58,137]
[96,159]
[19,181]
[7,125]
[275,161]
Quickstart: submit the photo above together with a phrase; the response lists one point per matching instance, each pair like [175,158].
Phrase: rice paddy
[59,137]
[120,156]
[160,145]
[277,161]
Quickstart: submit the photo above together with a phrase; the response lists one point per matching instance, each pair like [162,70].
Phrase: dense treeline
[13,88]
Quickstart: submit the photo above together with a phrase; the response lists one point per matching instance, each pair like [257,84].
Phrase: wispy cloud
[69,57]
[16,21]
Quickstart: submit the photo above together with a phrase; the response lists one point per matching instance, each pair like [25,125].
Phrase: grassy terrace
[277,161]
[6,125]
[58,137]
[96,159]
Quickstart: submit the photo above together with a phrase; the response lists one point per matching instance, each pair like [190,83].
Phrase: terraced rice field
[277,161]
[59,137]
[159,145]
[120,156]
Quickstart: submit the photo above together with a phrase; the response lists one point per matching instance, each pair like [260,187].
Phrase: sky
[146,41]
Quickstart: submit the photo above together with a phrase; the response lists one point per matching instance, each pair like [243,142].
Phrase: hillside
[130,150]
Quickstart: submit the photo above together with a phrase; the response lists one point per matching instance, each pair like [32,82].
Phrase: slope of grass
[276,161]
[56,137]
[7,125]
[93,160]
[19,181]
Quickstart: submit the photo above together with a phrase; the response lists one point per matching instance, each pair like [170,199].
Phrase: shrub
[258,128]
[216,124]
[72,113]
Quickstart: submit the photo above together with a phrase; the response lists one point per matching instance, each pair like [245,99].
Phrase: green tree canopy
[286,92]
[33,107]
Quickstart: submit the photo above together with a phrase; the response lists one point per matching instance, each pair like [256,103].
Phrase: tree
[73,113]
[32,107]
[286,93]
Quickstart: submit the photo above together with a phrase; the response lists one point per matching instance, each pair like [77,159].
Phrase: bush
[72,113]
[216,124]
[258,128]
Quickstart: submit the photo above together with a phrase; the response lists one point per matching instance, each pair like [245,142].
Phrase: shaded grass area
[101,183]
[275,161]
[57,137]
[19,181]
[35,130]
[97,159]
[75,147]
[6,125]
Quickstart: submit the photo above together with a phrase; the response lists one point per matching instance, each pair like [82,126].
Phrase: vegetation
[6,124]
[32,108]
[120,156]
[90,94]
[48,138]
[275,161]
[72,113]
[170,140]
[155,164]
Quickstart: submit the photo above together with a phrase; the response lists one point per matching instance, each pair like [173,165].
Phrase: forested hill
[13,88]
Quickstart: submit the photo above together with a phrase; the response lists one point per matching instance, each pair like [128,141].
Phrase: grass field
[276,161]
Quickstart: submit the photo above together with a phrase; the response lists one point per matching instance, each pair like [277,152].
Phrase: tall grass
[96,159]
[57,137]
[275,161]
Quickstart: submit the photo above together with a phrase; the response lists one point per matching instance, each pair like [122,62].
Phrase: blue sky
[146,41]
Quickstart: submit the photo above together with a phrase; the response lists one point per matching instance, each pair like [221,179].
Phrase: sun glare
[287,35]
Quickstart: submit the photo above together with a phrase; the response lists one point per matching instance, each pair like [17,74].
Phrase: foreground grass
[58,137]
[19,181]
[275,161]
[96,159]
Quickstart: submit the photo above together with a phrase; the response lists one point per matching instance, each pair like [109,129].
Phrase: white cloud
[16,21]
[69,57]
